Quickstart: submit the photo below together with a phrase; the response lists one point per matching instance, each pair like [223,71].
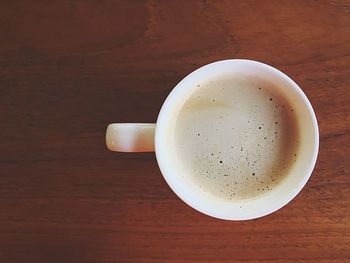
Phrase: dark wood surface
[68,68]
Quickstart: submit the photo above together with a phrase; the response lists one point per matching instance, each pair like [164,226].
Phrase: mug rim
[163,118]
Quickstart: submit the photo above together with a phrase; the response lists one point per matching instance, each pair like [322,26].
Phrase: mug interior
[264,204]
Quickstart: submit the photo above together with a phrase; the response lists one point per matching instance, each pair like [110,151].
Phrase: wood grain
[68,68]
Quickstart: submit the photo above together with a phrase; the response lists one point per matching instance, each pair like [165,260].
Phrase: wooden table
[68,68]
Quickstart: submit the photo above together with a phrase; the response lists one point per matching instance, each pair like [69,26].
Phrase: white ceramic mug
[142,137]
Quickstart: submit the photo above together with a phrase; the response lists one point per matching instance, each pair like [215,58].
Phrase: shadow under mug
[146,137]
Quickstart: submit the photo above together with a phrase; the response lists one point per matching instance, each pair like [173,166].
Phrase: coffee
[236,137]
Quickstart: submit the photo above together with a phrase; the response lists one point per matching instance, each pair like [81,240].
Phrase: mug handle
[130,137]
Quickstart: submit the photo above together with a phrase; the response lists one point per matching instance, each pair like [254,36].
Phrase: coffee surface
[236,137]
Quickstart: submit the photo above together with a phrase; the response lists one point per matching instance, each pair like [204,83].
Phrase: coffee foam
[236,137]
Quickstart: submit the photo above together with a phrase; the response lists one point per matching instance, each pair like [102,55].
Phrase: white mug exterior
[138,137]
[252,208]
